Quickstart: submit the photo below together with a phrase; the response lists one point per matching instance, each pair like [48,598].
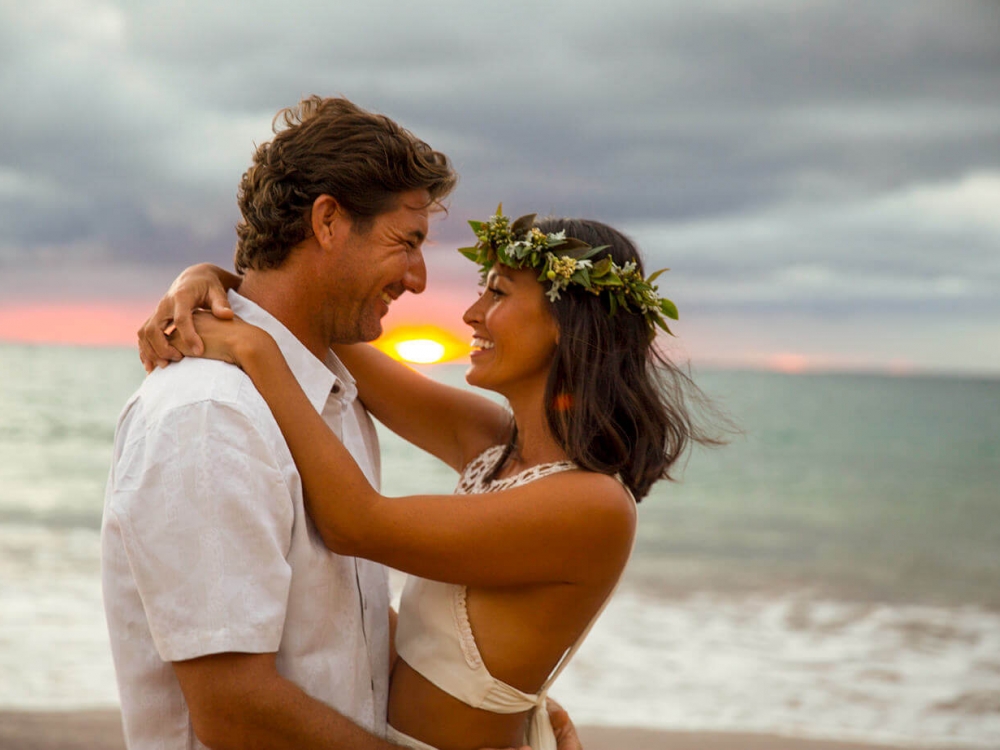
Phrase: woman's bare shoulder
[599,506]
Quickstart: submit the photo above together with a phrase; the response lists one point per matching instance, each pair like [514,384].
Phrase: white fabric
[434,635]
[207,547]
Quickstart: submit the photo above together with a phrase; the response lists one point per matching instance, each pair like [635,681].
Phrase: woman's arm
[571,527]
[453,424]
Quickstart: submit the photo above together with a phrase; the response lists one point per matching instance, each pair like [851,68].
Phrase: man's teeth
[386,298]
[478,343]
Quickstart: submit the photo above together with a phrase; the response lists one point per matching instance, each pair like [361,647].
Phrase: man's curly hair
[329,147]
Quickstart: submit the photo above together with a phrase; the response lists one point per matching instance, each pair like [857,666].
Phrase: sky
[822,178]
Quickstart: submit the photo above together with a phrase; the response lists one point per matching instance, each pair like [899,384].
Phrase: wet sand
[101,730]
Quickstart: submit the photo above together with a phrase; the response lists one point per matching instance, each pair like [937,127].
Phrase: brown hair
[616,403]
[329,147]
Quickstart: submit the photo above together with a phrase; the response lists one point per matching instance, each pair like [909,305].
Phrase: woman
[508,574]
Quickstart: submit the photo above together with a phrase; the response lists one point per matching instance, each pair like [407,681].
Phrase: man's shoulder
[198,383]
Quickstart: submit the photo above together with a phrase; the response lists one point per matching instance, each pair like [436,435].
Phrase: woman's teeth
[478,343]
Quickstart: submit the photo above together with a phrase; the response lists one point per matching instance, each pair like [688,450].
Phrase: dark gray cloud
[775,153]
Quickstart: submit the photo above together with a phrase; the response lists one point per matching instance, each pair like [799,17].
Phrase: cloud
[935,244]
[801,156]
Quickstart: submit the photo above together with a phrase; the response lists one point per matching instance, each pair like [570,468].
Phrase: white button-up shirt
[207,547]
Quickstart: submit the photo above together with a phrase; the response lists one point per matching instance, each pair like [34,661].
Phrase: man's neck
[280,292]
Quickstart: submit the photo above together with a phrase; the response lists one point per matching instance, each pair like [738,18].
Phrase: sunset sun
[420,351]
[422,345]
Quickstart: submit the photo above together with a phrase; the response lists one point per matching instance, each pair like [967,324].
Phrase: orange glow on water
[422,344]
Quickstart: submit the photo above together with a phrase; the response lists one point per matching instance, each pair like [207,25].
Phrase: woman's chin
[474,377]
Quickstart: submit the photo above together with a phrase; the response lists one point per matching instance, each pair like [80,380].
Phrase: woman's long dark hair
[614,402]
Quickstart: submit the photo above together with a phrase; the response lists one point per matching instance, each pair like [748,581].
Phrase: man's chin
[361,335]
[370,332]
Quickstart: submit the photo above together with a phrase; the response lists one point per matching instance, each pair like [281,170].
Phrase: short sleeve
[206,519]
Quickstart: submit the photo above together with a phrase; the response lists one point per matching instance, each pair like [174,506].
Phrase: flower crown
[562,261]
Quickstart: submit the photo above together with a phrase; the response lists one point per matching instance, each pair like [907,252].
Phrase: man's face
[376,267]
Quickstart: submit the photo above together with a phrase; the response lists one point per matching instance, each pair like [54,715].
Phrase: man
[232,626]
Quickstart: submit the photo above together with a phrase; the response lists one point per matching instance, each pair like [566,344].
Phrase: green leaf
[571,243]
[601,267]
[669,309]
[580,253]
[655,275]
[660,322]
[613,303]
[476,226]
[471,253]
[500,209]
[523,224]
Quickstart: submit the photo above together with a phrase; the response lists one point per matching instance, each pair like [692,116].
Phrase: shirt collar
[318,379]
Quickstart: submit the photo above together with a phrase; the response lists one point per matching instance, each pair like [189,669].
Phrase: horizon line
[769,364]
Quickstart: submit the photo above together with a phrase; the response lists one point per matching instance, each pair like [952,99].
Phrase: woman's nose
[474,314]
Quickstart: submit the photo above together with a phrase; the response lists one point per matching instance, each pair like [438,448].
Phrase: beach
[101,730]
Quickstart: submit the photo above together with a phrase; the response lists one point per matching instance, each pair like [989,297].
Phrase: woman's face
[514,332]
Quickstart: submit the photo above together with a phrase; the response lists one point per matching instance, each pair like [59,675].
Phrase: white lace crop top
[435,638]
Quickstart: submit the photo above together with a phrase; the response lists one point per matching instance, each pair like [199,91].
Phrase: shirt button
[336,388]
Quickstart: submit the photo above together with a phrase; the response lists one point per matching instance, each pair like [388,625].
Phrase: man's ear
[329,221]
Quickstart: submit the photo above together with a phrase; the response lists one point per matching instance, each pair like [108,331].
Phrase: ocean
[833,572]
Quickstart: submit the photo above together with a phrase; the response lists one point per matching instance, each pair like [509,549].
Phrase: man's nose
[415,279]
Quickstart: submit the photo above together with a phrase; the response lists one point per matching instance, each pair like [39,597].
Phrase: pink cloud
[94,324]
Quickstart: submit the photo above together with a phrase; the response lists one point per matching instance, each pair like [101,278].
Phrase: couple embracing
[244,534]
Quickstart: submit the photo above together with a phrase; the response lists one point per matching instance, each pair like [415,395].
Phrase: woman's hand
[562,727]
[234,341]
[201,286]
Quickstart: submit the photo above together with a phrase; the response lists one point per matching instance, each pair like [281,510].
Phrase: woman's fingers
[219,303]
[184,301]
[169,333]
[562,727]
[146,354]
[154,347]
[183,321]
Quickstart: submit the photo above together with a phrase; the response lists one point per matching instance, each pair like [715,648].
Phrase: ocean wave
[792,664]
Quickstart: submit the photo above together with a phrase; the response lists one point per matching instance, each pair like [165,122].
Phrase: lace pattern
[473,479]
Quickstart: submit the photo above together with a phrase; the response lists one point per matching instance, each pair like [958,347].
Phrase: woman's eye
[494,291]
